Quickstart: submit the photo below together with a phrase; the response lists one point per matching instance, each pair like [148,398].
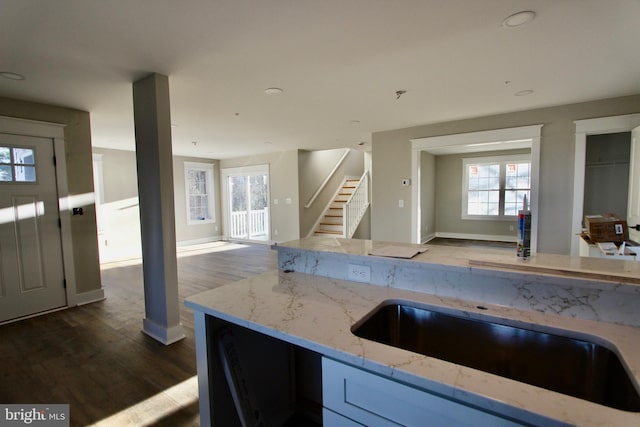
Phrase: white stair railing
[354,209]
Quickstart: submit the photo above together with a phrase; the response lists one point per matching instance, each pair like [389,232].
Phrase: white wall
[120,214]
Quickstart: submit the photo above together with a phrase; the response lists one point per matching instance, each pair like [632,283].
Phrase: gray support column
[157,214]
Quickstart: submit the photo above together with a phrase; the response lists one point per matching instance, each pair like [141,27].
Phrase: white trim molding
[55,132]
[489,140]
[209,170]
[600,125]
[487,237]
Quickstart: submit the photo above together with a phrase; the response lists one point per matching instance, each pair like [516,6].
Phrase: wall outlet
[401,203]
[359,273]
[275,232]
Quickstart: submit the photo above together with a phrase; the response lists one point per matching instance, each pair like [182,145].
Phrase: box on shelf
[606,228]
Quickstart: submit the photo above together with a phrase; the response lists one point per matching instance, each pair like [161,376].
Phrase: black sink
[575,367]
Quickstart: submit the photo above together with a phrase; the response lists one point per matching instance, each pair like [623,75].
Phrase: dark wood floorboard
[96,358]
[476,244]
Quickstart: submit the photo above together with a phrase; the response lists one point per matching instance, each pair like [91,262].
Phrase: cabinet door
[377,401]
[331,419]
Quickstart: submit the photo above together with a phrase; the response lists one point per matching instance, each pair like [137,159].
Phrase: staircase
[332,223]
[352,200]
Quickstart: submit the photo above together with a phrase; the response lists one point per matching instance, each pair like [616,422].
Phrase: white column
[157,214]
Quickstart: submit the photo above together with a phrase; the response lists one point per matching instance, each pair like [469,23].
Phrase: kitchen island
[297,325]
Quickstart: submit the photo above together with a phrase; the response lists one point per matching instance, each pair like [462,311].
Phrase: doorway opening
[456,148]
[600,126]
[246,203]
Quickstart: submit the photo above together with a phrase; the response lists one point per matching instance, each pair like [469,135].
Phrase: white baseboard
[90,296]
[166,335]
[198,241]
[428,238]
[487,237]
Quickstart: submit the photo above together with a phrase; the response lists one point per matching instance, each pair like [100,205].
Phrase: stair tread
[333,217]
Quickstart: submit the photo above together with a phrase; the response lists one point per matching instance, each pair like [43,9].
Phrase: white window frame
[502,161]
[208,168]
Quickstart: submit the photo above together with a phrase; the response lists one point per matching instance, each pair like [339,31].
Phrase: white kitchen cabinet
[330,418]
[373,400]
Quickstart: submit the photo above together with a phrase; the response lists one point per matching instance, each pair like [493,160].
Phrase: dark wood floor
[476,244]
[96,359]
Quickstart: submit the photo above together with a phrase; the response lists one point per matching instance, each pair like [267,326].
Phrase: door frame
[600,125]
[54,132]
[474,142]
[225,173]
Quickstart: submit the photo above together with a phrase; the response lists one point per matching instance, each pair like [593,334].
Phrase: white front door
[633,209]
[31,269]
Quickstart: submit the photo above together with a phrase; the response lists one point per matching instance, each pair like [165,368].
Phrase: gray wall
[313,168]
[428,188]
[121,183]
[392,162]
[448,200]
[606,180]
[194,232]
[119,174]
[77,135]
[283,184]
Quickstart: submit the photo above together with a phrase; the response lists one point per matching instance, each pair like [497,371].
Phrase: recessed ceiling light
[355,122]
[11,75]
[523,92]
[518,19]
[273,91]
[268,142]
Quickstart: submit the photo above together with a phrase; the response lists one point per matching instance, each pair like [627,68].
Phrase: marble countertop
[541,263]
[318,312]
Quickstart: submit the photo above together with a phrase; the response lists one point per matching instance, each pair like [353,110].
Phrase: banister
[327,179]
[356,206]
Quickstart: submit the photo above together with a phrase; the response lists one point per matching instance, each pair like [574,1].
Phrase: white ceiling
[338,61]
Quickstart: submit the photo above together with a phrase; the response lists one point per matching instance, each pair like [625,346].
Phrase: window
[17,164]
[199,192]
[494,187]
